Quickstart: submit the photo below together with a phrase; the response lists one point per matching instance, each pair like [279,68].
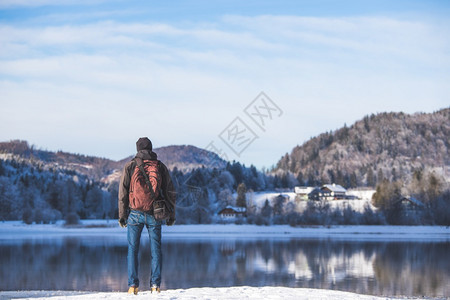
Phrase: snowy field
[241,292]
[19,230]
[364,198]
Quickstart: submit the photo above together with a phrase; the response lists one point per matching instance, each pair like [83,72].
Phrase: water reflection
[379,268]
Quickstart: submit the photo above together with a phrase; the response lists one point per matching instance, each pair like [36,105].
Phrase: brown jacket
[167,188]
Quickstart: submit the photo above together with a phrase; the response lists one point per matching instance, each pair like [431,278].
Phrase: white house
[334,191]
[303,191]
[231,212]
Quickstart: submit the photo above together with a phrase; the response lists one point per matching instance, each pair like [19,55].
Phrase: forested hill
[182,157]
[186,158]
[91,166]
[385,145]
[44,186]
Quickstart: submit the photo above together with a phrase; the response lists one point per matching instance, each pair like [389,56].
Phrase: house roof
[414,201]
[334,188]
[236,209]
[303,189]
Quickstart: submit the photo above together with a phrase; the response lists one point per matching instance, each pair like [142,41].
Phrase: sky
[249,80]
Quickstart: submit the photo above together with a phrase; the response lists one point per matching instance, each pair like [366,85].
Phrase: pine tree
[300,179]
[371,178]
[353,180]
[380,176]
[266,211]
[241,200]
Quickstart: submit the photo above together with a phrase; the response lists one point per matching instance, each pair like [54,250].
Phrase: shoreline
[235,292]
[110,228]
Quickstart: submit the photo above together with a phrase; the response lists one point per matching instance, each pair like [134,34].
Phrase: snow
[335,188]
[286,231]
[356,205]
[236,208]
[110,228]
[5,156]
[259,198]
[86,166]
[240,292]
[113,177]
[364,198]
[361,194]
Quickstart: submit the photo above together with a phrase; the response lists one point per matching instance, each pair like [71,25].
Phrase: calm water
[378,268]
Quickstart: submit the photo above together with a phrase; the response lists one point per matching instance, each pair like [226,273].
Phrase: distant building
[410,203]
[409,209]
[333,191]
[231,212]
[327,192]
[316,194]
[302,192]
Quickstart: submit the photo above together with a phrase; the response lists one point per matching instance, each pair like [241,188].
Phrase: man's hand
[122,222]
[170,222]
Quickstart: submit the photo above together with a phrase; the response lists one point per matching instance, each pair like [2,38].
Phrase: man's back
[135,216]
[167,189]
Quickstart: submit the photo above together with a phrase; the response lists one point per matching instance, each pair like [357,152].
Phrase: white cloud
[193,80]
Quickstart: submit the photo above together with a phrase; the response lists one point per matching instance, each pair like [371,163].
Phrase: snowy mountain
[186,158]
[44,186]
[385,145]
[93,167]
[182,157]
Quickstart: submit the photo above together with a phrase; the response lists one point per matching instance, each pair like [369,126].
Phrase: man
[134,216]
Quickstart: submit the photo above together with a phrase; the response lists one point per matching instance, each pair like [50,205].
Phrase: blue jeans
[136,222]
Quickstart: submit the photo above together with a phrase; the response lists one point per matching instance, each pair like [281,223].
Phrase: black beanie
[144,143]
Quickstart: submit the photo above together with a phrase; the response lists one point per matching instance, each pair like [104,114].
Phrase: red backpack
[141,197]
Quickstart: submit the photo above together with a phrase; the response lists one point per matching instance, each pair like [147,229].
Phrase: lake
[96,263]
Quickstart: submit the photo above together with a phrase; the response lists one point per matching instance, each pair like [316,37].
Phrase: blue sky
[91,77]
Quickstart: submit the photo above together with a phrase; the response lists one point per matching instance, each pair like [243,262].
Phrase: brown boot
[133,290]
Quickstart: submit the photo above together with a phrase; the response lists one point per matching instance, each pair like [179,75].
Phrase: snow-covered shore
[17,229]
[241,292]
[334,232]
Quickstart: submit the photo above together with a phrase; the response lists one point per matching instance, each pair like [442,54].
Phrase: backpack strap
[167,199]
[140,164]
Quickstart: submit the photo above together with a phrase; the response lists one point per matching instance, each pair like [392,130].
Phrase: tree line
[33,192]
[429,195]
